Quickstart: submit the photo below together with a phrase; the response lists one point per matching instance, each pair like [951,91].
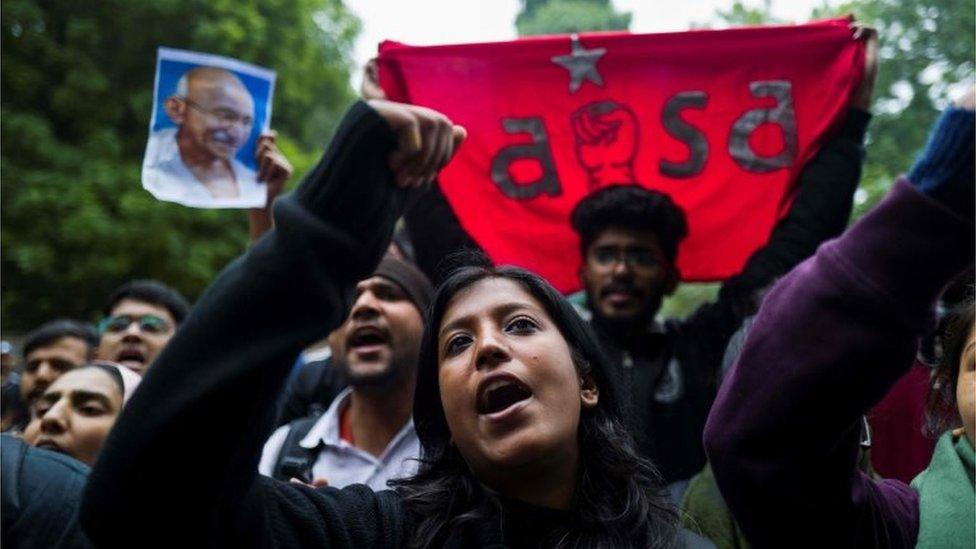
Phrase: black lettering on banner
[538,150]
[691,136]
[782,114]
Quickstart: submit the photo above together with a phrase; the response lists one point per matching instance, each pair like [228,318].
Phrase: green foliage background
[75,97]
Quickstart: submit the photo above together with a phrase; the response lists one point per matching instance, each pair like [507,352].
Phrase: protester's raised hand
[862,95]
[273,168]
[370,88]
[426,141]
[945,169]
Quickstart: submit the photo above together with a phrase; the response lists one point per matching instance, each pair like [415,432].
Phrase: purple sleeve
[829,341]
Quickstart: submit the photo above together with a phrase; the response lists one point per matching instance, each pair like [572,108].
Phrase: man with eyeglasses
[139,320]
[667,373]
[214,116]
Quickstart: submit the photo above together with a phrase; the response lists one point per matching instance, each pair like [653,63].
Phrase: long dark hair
[941,409]
[618,501]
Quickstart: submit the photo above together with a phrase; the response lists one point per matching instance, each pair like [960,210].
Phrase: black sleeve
[295,515]
[435,233]
[820,211]
[41,493]
[182,458]
[310,392]
[301,393]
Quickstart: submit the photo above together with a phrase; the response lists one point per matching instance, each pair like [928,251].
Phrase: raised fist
[861,99]
[606,142]
[427,140]
[370,88]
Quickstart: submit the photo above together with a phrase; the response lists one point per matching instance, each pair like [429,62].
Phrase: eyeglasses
[151,324]
[644,258]
[225,116]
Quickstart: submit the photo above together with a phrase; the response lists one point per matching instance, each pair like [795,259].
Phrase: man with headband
[367,434]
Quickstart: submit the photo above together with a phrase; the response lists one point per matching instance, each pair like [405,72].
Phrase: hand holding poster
[208,113]
[723,121]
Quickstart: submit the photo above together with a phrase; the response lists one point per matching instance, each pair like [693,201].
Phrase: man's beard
[620,328]
[375,380]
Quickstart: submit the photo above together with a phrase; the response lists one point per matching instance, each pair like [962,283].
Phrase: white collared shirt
[343,464]
[166,176]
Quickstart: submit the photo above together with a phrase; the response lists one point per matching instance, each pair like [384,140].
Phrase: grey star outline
[581,64]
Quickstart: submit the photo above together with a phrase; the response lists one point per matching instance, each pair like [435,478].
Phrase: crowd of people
[364,376]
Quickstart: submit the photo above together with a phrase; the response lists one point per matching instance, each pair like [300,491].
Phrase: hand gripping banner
[723,121]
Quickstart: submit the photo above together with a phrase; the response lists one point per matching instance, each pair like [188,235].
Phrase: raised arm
[432,225]
[829,341]
[435,232]
[181,462]
[820,211]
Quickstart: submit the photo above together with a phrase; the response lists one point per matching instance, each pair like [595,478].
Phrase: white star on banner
[581,64]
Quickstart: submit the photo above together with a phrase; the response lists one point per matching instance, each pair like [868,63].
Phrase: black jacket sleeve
[310,391]
[180,465]
[41,493]
[820,211]
[435,233]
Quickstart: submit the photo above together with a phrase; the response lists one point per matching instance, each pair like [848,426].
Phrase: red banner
[723,121]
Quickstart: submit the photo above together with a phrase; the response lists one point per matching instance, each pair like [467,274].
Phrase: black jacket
[310,391]
[41,496]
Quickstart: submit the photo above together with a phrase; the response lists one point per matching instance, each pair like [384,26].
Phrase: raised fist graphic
[606,142]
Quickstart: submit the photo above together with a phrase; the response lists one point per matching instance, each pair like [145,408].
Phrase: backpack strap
[295,461]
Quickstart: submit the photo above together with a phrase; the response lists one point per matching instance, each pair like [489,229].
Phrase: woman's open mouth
[500,392]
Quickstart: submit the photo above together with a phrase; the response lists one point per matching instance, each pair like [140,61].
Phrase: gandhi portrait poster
[208,112]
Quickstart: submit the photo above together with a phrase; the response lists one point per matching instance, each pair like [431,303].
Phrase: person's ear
[583,271]
[673,278]
[589,392]
[175,108]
